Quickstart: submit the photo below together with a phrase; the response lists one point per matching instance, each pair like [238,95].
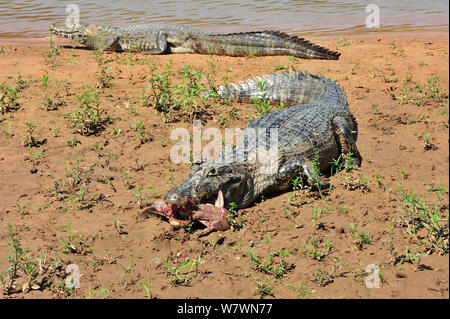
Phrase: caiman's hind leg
[347,138]
[161,45]
[99,41]
[145,44]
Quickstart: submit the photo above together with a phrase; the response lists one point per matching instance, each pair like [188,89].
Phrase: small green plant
[420,214]
[302,291]
[435,90]
[263,289]
[177,277]
[140,196]
[316,179]
[55,190]
[74,141]
[410,257]
[379,179]
[101,294]
[364,238]
[89,117]
[31,271]
[281,67]
[262,103]
[336,165]
[237,222]
[160,89]
[313,249]
[69,241]
[126,180]
[271,265]
[53,51]
[22,209]
[390,79]
[104,77]
[75,243]
[81,198]
[55,131]
[349,162]
[146,285]
[36,157]
[297,183]
[29,138]
[44,82]
[144,135]
[316,214]
[323,277]
[17,259]
[352,183]
[427,145]
[189,95]
[211,74]
[131,109]
[403,98]
[48,104]
[353,230]
[126,269]
[342,41]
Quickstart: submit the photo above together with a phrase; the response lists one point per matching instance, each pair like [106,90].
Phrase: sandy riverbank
[397,88]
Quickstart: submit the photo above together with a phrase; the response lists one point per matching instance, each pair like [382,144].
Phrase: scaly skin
[320,124]
[160,38]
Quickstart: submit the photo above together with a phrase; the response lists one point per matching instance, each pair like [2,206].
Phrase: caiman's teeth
[175,224]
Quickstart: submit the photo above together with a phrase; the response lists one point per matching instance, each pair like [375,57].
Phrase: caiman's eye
[224,169]
[214,171]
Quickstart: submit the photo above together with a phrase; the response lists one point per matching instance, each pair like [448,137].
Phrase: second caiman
[162,38]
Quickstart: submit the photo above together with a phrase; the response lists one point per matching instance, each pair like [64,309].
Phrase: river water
[31,18]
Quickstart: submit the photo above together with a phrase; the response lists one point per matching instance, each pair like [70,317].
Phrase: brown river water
[31,18]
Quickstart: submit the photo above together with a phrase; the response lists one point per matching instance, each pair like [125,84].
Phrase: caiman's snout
[73,32]
[175,198]
[57,29]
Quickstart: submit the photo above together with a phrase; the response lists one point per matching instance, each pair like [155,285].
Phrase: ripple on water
[31,18]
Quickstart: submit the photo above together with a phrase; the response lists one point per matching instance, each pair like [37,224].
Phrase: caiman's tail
[262,43]
[297,87]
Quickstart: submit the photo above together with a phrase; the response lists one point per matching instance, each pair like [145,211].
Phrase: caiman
[306,138]
[161,38]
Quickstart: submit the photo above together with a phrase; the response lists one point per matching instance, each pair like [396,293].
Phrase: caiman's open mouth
[182,212]
[184,207]
[213,216]
[176,211]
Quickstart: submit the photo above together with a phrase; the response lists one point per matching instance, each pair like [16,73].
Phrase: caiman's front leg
[145,43]
[103,41]
[299,167]
[344,133]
